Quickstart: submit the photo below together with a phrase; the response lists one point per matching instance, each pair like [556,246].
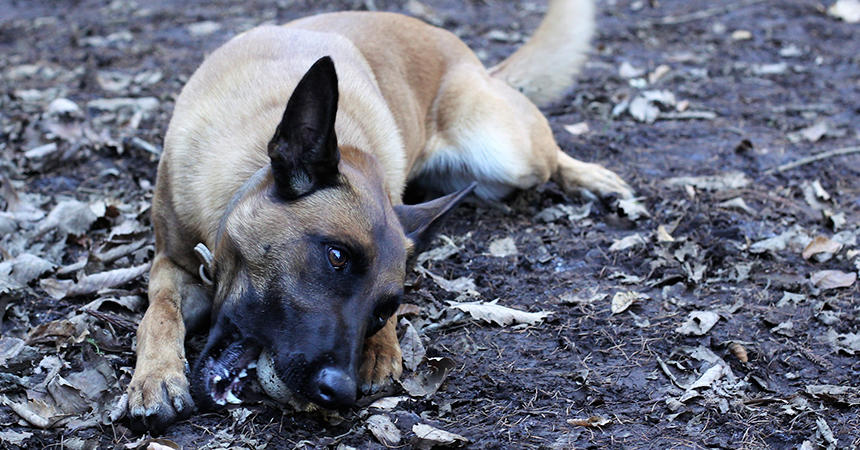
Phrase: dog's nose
[335,388]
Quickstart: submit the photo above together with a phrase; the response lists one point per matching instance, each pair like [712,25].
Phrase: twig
[813,158]
[113,319]
[698,15]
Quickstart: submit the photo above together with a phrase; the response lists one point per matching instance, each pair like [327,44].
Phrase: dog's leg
[382,359]
[158,393]
[486,131]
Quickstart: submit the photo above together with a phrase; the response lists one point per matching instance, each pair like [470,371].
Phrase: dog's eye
[337,257]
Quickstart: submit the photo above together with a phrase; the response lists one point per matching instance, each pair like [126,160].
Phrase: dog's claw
[382,362]
[156,401]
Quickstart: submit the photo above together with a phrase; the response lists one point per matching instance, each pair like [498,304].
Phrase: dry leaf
[429,437]
[643,110]
[633,240]
[387,403]
[462,285]
[847,10]
[848,395]
[71,217]
[709,377]
[593,421]
[698,323]
[444,251]
[383,429]
[821,244]
[622,300]
[577,129]
[741,35]
[15,437]
[501,248]
[426,383]
[633,208]
[25,268]
[658,73]
[410,345]
[663,235]
[722,182]
[89,284]
[627,70]
[832,279]
[492,312]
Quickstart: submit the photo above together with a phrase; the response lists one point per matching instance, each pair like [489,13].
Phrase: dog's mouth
[225,375]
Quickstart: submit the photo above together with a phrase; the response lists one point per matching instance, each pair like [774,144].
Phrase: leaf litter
[716,258]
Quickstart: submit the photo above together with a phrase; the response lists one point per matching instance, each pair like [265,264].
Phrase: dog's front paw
[382,361]
[157,398]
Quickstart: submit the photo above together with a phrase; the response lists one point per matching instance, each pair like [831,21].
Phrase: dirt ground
[727,316]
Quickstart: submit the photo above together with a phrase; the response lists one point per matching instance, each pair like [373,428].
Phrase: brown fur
[415,104]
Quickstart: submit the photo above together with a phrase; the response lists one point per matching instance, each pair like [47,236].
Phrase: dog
[287,157]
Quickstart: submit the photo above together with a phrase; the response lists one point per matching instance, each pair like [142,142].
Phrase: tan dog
[302,207]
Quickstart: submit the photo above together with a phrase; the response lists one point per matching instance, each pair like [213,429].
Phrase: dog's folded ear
[420,221]
[304,150]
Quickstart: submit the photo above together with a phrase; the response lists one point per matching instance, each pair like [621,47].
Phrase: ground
[711,320]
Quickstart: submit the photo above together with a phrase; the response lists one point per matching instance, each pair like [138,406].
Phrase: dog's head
[310,261]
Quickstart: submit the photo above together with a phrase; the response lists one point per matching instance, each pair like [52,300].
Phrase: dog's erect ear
[420,221]
[304,150]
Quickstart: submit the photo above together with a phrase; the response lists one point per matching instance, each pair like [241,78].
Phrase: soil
[525,386]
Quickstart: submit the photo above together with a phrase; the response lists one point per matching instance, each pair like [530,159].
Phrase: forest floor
[726,316]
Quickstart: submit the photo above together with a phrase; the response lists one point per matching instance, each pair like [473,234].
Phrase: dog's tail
[543,68]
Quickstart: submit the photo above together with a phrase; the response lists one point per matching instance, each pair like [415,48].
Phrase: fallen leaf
[462,285]
[429,437]
[698,323]
[663,235]
[71,217]
[627,70]
[444,251]
[89,284]
[821,244]
[591,422]
[848,395]
[555,212]
[577,129]
[427,382]
[832,279]
[383,429]
[633,240]
[812,133]
[770,69]
[737,203]
[847,10]
[622,300]
[643,110]
[492,312]
[741,35]
[794,237]
[709,377]
[387,403]
[501,248]
[658,73]
[204,28]
[824,432]
[848,342]
[25,268]
[15,437]
[721,182]
[411,346]
[633,208]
